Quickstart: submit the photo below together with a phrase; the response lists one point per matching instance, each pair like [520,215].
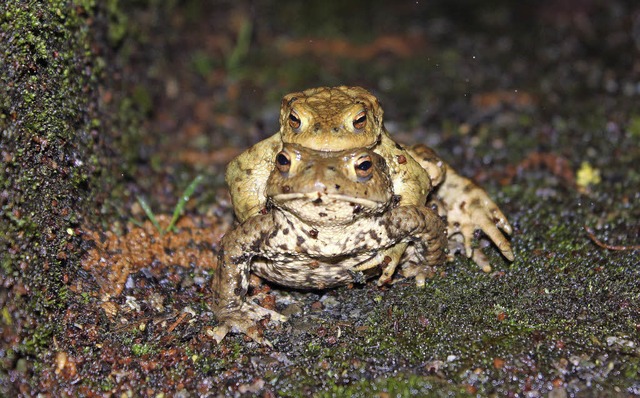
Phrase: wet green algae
[51,166]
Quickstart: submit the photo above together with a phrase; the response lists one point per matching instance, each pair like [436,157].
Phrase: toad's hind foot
[244,320]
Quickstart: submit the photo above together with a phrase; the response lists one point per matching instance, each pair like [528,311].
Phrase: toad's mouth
[321,199]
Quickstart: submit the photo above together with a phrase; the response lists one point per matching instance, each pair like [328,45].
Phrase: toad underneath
[331,199]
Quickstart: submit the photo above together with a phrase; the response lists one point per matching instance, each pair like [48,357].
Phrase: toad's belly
[311,273]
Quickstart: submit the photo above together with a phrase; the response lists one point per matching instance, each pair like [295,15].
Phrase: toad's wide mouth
[318,198]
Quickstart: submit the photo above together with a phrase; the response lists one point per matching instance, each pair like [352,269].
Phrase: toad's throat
[320,198]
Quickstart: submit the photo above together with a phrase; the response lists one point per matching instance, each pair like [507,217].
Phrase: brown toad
[329,213]
[342,118]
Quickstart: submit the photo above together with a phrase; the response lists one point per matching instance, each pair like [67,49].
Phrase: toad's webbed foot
[243,320]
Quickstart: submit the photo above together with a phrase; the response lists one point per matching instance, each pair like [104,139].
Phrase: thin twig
[177,322]
[603,245]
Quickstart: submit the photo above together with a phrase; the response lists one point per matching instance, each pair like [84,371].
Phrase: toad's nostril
[319,186]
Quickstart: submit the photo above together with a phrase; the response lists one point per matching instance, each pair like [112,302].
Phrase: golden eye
[294,120]
[283,162]
[360,120]
[364,167]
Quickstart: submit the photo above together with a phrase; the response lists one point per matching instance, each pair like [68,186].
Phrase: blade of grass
[241,48]
[182,202]
[136,222]
[149,212]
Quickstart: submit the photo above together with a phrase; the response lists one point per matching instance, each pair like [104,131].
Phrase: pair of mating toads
[331,199]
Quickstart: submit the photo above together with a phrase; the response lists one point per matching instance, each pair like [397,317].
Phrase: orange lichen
[114,257]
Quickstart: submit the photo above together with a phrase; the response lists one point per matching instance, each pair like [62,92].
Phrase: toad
[342,118]
[328,213]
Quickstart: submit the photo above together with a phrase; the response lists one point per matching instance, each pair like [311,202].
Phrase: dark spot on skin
[321,214]
[283,247]
[237,291]
[374,236]
[313,233]
[463,204]
[399,147]
[317,201]
[396,199]
[300,240]
[357,209]
[317,127]
[248,172]
[402,159]
[386,260]
[285,231]
[264,211]
[286,189]
[468,188]
[255,245]
[331,168]
[314,264]
[337,187]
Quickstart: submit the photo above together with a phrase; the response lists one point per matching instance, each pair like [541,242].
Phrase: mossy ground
[100,103]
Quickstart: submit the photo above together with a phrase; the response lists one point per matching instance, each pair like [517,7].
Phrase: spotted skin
[327,120]
[313,237]
[330,121]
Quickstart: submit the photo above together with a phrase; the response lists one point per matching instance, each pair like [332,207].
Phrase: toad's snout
[319,186]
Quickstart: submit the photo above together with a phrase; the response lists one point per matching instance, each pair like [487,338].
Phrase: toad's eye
[360,120]
[294,120]
[283,162]
[364,167]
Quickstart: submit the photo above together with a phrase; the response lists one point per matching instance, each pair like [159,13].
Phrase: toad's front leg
[422,227]
[231,280]
[468,207]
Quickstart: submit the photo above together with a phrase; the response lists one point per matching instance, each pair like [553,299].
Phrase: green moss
[397,386]
[142,349]
[48,90]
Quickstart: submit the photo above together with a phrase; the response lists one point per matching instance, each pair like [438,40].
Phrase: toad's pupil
[364,166]
[360,120]
[282,160]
